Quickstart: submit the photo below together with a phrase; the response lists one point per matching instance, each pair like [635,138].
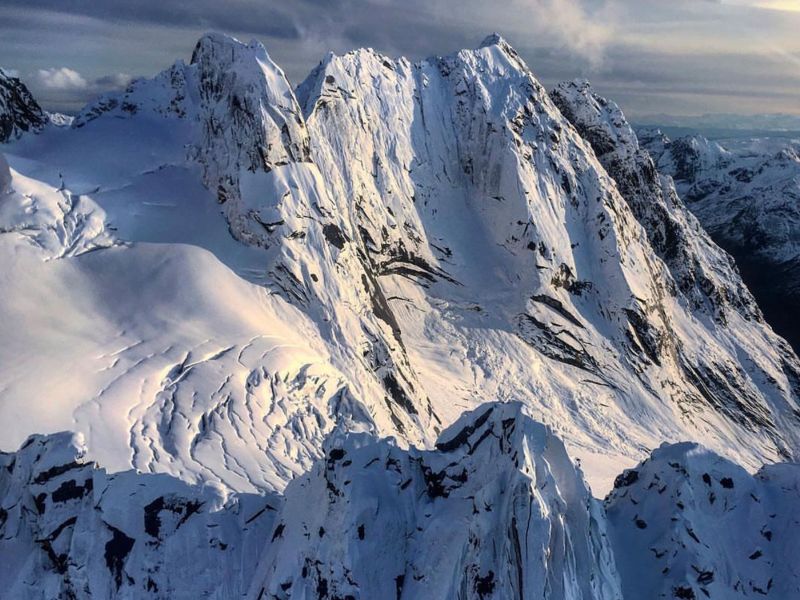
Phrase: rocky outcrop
[19,112]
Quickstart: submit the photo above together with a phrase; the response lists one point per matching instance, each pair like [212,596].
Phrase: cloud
[574,26]
[66,89]
[579,30]
[66,79]
[111,82]
[582,28]
[298,33]
[265,18]
[699,49]
[784,5]
[60,78]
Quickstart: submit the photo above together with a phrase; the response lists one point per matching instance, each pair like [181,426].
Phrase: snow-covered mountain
[746,193]
[231,284]
[704,273]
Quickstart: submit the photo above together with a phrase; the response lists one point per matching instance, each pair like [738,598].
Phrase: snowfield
[380,335]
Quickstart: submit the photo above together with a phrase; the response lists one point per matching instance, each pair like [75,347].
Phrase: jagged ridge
[497,510]
[747,199]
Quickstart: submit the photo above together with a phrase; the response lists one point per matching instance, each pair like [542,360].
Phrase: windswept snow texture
[497,510]
[209,272]
[746,193]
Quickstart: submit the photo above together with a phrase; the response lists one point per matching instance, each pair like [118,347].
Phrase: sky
[678,57]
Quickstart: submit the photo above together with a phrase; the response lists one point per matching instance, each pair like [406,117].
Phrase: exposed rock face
[19,112]
[747,199]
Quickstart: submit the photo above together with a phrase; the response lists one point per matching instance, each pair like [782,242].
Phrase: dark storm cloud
[691,55]
[230,15]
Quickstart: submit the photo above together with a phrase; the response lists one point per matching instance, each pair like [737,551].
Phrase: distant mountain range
[775,123]
[747,195]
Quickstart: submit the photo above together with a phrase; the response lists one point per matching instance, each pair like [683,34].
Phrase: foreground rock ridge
[233,290]
[496,510]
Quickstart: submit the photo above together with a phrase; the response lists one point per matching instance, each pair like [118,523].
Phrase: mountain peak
[212,44]
[216,37]
[218,54]
[493,39]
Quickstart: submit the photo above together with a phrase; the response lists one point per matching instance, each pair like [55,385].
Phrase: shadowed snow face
[497,510]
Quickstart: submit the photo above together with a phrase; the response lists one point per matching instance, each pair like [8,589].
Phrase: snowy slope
[181,365]
[746,193]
